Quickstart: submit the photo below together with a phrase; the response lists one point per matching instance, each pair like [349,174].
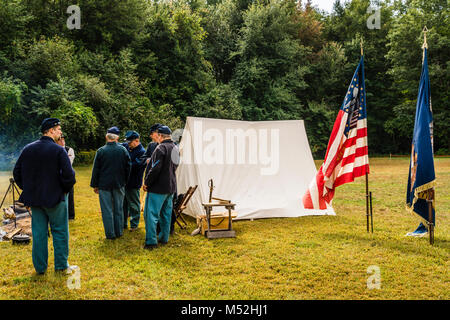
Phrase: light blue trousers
[59,225]
[158,207]
[111,204]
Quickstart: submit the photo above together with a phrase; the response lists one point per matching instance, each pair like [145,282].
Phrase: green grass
[315,257]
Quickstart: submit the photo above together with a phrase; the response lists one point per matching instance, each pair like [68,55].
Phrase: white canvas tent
[264,167]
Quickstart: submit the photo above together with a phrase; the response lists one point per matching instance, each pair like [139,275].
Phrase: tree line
[137,62]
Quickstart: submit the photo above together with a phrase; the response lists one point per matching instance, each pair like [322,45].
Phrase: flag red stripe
[307,198]
[359,152]
[319,182]
[350,177]
[361,133]
[307,201]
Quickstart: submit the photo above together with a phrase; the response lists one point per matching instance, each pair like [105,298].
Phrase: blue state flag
[421,178]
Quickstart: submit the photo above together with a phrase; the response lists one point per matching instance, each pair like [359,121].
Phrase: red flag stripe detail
[319,182]
[361,133]
[359,152]
[350,177]
[307,201]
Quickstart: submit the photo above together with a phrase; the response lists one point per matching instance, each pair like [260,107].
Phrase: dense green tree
[14,20]
[222,23]
[46,59]
[272,63]
[78,122]
[170,57]
[10,98]
[16,129]
[347,25]
[105,24]
[137,62]
[405,53]
[221,102]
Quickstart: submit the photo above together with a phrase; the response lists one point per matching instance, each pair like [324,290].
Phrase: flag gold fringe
[418,190]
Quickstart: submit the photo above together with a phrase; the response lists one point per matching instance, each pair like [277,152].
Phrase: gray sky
[323,4]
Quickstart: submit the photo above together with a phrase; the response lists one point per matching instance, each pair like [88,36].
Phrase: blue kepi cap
[164,130]
[113,130]
[131,135]
[155,127]
[48,123]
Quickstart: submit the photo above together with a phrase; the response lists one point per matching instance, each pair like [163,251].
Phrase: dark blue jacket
[111,168]
[44,173]
[161,175]
[137,166]
[148,154]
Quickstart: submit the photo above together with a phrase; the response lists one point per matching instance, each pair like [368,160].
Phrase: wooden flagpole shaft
[367,201]
[371,213]
[430,217]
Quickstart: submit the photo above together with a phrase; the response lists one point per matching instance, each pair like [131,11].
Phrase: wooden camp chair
[182,205]
[218,233]
[211,198]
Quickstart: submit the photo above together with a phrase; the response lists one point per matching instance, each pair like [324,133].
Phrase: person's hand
[144,187]
[148,160]
[96,190]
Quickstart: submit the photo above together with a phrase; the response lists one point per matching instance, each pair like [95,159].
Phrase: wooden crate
[219,220]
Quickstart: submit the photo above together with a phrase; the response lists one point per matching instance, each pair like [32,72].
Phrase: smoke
[7,161]
[4,184]
[8,157]
[11,145]
[14,136]
[10,150]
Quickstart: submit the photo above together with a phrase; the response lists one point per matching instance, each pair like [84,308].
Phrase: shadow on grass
[131,244]
[399,244]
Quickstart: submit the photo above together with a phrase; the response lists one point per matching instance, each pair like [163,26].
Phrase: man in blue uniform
[152,145]
[160,184]
[132,201]
[110,174]
[44,173]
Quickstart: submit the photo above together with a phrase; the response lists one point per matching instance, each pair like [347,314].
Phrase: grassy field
[324,257]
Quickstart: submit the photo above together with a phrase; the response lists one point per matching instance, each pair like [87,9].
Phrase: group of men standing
[117,177]
[44,173]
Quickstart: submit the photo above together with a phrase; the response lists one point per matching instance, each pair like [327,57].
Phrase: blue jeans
[158,208]
[111,204]
[59,225]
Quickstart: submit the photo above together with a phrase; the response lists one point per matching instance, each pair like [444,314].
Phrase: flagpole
[367,176]
[429,191]
[367,200]
[430,215]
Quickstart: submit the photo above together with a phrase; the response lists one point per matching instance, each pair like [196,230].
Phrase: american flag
[347,153]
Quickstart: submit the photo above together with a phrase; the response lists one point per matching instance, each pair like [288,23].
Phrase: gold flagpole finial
[425,44]
[362,51]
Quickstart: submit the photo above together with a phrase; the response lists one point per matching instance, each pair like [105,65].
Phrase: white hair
[165,136]
[112,136]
